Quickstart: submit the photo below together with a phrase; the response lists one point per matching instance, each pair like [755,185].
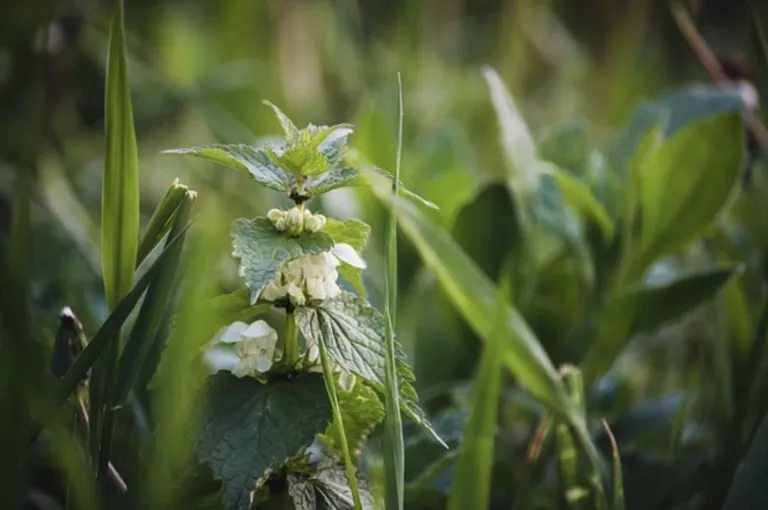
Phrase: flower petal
[233,333]
[348,255]
[258,329]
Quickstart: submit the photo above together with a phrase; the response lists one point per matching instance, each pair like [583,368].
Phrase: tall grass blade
[618,478]
[161,221]
[155,305]
[394,450]
[471,486]
[119,225]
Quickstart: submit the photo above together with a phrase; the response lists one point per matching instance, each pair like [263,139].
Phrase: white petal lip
[233,333]
[258,329]
[348,255]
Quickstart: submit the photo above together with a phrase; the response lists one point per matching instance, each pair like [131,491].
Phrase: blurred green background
[199,70]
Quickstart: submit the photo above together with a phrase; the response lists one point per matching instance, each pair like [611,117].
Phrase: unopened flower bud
[274,215]
[294,221]
[315,222]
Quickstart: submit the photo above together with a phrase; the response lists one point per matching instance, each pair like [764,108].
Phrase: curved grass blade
[161,221]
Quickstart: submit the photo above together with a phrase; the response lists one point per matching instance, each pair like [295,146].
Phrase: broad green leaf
[747,490]
[120,190]
[580,198]
[155,306]
[354,233]
[334,147]
[109,331]
[300,160]
[567,146]
[250,429]
[647,308]
[326,489]
[362,411]
[471,487]
[290,130]
[354,334]
[684,185]
[244,157]
[262,248]
[161,220]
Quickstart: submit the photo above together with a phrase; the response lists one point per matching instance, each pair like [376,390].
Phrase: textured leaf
[327,488]
[250,429]
[354,334]
[262,248]
[244,157]
[302,492]
[335,145]
[362,410]
[684,183]
[299,160]
[331,180]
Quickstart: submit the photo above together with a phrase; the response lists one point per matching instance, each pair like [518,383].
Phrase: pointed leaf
[161,220]
[250,429]
[244,157]
[290,130]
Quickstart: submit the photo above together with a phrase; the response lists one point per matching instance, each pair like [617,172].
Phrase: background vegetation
[669,340]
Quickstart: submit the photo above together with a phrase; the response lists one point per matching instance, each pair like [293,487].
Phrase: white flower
[274,215]
[294,219]
[255,346]
[314,222]
[347,254]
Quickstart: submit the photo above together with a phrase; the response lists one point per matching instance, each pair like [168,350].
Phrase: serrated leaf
[262,248]
[335,144]
[299,160]
[302,492]
[249,428]
[330,484]
[244,157]
[354,335]
[289,128]
[362,410]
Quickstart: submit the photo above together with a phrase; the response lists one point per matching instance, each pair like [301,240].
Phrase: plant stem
[291,340]
[330,386]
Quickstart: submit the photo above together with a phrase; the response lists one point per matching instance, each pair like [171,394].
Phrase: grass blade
[119,225]
[154,308]
[471,487]
[394,449]
[161,221]
[618,478]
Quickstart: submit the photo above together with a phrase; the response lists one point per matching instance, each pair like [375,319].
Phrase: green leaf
[120,191]
[362,410]
[154,308]
[580,198]
[262,248]
[748,488]
[329,486]
[300,160]
[161,220]
[335,145]
[355,233]
[244,157]
[647,308]
[567,146]
[471,487]
[109,331]
[354,334]
[250,429]
[684,185]
[291,131]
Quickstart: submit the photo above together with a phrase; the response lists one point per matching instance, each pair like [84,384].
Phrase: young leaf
[578,196]
[262,248]
[362,410]
[161,220]
[120,192]
[684,185]
[244,157]
[471,487]
[290,130]
[250,429]
[353,333]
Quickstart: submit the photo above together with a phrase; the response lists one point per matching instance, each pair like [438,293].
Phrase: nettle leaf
[244,157]
[361,411]
[250,429]
[327,488]
[289,128]
[335,145]
[354,233]
[299,159]
[262,248]
[354,334]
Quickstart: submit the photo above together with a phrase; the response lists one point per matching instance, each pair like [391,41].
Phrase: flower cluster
[255,346]
[312,277]
[297,220]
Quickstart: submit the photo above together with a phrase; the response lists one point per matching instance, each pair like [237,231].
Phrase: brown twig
[712,65]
